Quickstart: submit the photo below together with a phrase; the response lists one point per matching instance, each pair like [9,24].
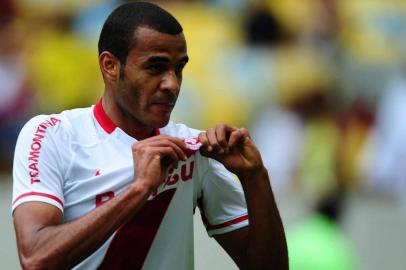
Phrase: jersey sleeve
[38,168]
[222,202]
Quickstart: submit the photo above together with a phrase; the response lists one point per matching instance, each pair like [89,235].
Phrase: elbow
[34,262]
[31,263]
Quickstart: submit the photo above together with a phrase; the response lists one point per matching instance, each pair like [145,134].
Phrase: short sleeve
[222,202]
[38,168]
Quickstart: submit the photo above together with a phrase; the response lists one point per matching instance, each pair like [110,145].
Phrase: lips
[170,103]
[164,105]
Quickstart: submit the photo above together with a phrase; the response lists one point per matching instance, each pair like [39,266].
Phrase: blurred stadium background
[320,83]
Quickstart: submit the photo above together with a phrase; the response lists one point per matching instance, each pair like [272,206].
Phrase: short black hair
[117,34]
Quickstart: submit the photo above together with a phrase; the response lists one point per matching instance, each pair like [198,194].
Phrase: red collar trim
[102,118]
[105,122]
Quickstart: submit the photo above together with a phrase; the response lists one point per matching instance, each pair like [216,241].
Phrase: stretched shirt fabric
[78,160]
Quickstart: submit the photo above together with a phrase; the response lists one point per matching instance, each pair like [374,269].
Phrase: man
[114,186]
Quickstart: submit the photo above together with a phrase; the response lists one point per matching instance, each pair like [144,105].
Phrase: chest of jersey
[101,171]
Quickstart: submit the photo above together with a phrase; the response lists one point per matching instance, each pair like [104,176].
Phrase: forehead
[149,42]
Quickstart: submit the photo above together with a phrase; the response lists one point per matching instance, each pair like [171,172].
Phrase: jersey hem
[229,228]
[226,226]
[39,197]
[227,223]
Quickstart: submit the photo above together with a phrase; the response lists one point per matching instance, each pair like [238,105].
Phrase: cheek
[137,93]
[138,96]
[125,95]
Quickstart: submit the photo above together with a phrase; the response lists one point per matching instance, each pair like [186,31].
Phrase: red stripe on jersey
[103,119]
[132,241]
[218,226]
[226,224]
[33,193]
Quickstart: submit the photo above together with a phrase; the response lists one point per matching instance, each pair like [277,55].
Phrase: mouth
[166,106]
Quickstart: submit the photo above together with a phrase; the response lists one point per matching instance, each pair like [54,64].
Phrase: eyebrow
[157,59]
[184,59]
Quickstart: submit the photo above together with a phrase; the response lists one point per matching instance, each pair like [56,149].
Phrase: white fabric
[68,159]
[388,165]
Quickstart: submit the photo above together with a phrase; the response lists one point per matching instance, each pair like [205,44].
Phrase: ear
[110,66]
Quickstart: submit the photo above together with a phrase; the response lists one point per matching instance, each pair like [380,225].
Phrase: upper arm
[38,199]
[235,244]
[224,211]
[29,219]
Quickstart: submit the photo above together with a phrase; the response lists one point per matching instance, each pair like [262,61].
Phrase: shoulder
[41,125]
[57,126]
[179,130]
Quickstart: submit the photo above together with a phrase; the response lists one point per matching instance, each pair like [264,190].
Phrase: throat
[138,132]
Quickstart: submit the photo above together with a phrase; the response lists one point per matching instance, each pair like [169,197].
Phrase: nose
[170,82]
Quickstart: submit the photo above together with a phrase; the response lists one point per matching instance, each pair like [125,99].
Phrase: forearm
[267,247]
[62,246]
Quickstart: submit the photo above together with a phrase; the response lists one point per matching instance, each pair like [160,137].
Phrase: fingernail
[221,151]
[209,148]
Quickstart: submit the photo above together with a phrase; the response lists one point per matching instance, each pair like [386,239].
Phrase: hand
[233,147]
[153,156]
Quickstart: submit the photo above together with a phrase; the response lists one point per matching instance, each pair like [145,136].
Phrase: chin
[159,122]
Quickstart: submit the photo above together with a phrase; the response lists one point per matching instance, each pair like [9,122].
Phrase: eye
[179,68]
[156,68]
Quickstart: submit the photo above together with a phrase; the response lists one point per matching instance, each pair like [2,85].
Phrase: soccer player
[114,186]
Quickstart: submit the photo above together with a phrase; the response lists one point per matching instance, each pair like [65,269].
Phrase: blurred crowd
[320,83]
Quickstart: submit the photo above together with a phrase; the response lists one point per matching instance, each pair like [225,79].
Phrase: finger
[179,149]
[178,141]
[238,135]
[212,138]
[205,142]
[178,145]
[223,133]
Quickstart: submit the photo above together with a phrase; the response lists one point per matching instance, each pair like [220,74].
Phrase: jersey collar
[104,120]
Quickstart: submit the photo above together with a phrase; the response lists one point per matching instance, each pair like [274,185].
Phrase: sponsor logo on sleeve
[35,148]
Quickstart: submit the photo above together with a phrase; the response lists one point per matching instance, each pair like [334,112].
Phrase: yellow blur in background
[321,84]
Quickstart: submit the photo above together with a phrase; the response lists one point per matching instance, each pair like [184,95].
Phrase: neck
[125,121]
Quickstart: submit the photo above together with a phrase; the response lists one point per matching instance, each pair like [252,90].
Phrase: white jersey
[78,160]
